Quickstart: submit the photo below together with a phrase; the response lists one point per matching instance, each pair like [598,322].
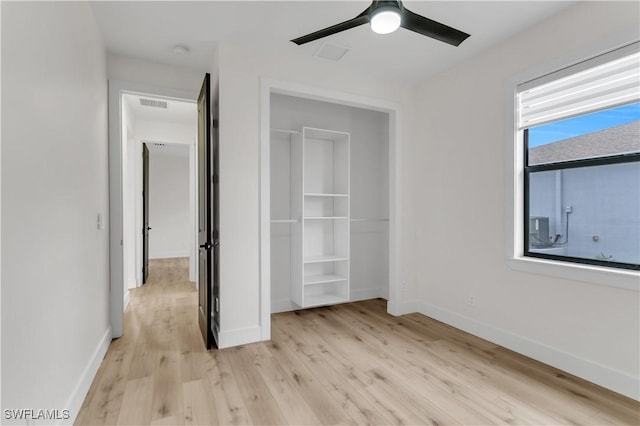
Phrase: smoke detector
[180,49]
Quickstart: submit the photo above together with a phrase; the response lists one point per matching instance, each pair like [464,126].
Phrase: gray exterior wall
[605,202]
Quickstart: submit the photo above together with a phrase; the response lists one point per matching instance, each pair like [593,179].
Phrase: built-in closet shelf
[310,194]
[291,132]
[320,186]
[325,217]
[369,220]
[322,279]
[323,299]
[285,220]
[325,258]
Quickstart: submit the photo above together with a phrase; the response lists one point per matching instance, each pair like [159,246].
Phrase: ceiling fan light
[385,20]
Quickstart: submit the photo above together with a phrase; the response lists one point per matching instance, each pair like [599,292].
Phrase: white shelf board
[321,279]
[325,258]
[284,220]
[291,132]
[323,299]
[314,194]
[325,217]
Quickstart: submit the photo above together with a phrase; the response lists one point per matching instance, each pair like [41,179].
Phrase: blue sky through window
[589,123]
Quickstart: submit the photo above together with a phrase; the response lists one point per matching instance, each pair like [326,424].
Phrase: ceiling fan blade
[425,26]
[351,23]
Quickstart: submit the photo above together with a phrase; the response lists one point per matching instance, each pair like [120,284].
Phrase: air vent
[158,144]
[332,51]
[153,103]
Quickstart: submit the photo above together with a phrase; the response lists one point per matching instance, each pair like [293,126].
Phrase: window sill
[608,277]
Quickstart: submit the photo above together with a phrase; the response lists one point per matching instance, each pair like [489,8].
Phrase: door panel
[205,240]
[145,213]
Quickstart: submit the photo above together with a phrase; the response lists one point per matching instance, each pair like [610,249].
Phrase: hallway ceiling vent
[153,103]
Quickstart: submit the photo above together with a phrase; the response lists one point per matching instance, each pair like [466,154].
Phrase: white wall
[456,246]
[169,212]
[240,71]
[129,69]
[55,287]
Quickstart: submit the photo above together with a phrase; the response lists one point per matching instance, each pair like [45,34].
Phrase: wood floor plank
[342,364]
[345,389]
[227,398]
[136,402]
[198,409]
[293,406]
[167,392]
[258,399]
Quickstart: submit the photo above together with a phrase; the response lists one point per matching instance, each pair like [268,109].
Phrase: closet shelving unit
[320,198]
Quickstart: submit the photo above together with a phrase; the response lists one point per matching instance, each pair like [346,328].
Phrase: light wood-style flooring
[345,364]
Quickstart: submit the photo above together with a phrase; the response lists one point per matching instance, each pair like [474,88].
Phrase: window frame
[514,177]
[566,165]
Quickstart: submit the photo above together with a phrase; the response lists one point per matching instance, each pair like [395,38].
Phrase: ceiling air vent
[333,52]
[153,103]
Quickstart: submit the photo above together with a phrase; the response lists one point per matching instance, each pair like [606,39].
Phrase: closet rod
[284,220]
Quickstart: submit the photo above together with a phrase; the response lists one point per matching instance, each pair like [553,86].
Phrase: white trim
[287,305]
[514,253]
[116,259]
[79,393]
[367,294]
[283,305]
[239,336]
[127,299]
[615,380]
[169,254]
[269,86]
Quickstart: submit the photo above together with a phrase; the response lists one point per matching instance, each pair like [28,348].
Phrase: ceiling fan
[387,16]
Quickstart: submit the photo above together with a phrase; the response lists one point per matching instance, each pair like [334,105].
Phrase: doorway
[152,115]
[389,205]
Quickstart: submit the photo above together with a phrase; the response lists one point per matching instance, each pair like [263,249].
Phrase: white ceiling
[150,30]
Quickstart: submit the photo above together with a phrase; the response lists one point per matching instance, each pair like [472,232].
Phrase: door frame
[116,89]
[269,86]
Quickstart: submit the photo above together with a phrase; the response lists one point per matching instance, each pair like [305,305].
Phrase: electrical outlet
[471,300]
[568,209]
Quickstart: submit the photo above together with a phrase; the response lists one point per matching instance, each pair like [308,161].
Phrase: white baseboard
[239,336]
[169,254]
[283,305]
[287,305]
[79,393]
[133,283]
[366,294]
[594,372]
[127,298]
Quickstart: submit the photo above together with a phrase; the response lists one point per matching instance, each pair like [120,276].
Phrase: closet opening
[328,200]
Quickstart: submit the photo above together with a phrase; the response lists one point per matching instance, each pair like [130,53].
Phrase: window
[580,127]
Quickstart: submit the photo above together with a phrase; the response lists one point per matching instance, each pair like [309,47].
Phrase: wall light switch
[99,221]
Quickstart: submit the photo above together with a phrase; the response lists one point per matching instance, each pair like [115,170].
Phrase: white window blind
[606,81]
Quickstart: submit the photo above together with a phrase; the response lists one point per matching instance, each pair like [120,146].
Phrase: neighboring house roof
[614,140]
